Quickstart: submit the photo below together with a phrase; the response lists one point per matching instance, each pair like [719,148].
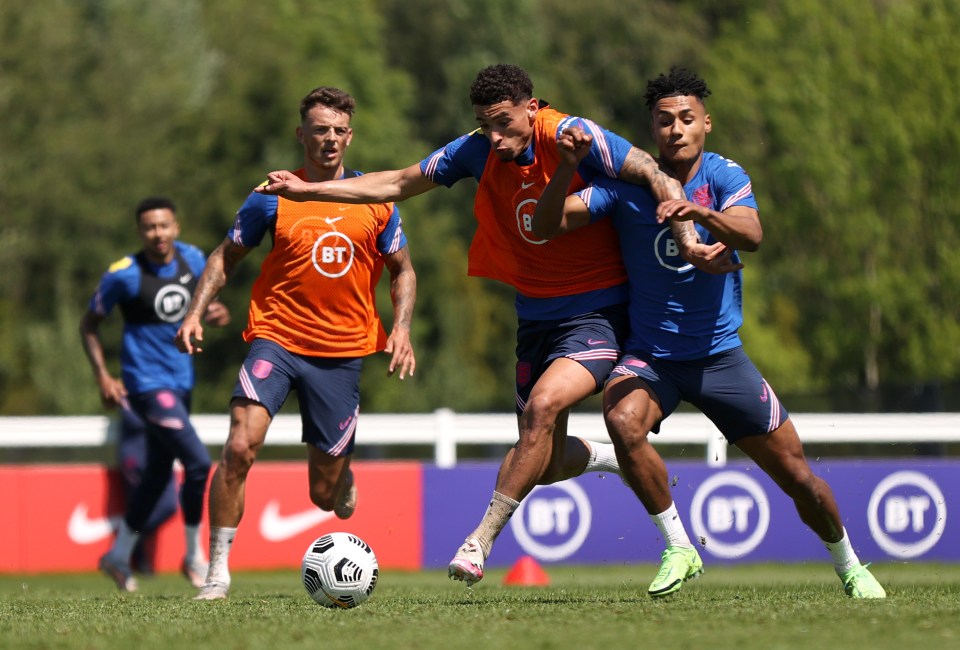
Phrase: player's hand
[401,351]
[678,210]
[714,258]
[284,183]
[217,314]
[574,144]
[190,331]
[112,391]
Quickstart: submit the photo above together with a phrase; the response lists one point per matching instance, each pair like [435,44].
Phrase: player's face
[158,230]
[325,135]
[680,128]
[508,126]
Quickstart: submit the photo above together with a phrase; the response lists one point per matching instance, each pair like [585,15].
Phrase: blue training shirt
[149,359]
[467,156]
[676,311]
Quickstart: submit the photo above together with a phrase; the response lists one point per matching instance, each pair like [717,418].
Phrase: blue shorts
[593,340]
[328,390]
[726,386]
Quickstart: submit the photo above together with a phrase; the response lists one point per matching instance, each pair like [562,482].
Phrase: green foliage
[843,114]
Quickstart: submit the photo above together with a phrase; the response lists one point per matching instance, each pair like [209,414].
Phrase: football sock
[221,539]
[193,543]
[669,524]
[123,545]
[844,557]
[498,513]
[603,458]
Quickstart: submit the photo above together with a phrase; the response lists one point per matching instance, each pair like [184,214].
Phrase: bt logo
[732,512]
[553,521]
[333,254]
[171,303]
[525,221]
[907,514]
[668,253]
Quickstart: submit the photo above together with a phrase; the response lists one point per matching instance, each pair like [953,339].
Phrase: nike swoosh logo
[82,529]
[596,341]
[763,395]
[332,221]
[524,186]
[186,278]
[276,527]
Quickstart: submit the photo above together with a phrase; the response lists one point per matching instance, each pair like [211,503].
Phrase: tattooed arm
[220,266]
[403,293]
[641,168]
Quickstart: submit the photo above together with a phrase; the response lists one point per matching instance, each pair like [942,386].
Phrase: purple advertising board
[893,510]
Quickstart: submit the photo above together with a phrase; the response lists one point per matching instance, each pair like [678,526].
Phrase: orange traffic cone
[526,573]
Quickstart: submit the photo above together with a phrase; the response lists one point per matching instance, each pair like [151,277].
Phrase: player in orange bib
[312,319]
[571,292]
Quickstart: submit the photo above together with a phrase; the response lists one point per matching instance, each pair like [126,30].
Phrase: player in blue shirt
[684,342]
[152,289]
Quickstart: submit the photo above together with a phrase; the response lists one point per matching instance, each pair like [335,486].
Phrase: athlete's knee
[628,424]
[540,415]
[238,456]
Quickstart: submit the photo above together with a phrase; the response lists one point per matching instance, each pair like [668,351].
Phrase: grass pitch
[743,607]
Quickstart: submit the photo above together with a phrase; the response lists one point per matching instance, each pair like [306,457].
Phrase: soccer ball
[339,570]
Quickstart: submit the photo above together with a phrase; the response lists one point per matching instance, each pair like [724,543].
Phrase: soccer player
[571,294]
[312,319]
[152,289]
[684,342]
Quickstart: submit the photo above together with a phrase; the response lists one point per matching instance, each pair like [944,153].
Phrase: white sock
[603,458]
[844,557]
[124,543]
[498,513]
[669,524]
[221,539]
[193,544]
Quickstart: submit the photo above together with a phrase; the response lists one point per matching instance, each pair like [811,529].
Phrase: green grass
[743,607]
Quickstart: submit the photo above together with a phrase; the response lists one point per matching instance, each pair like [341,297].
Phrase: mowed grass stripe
[744,607]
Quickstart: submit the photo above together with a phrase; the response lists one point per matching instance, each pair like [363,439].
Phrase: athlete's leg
[780,455]
[249,421]
[631,410]
[543,453]
[331,479]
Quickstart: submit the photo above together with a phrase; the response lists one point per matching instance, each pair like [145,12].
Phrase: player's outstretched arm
[220,266]
[375,187]
[737,226]
[403,293]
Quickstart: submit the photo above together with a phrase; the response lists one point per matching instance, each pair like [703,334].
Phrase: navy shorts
[593,340]
[328,390]
[726,386]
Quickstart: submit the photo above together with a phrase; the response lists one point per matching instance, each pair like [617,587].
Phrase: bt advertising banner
[61,518]
[892,510]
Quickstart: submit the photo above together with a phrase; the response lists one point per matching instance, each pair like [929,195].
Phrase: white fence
[446,430]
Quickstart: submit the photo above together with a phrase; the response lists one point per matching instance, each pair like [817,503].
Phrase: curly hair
[330,97]
[500,83]
[679,82]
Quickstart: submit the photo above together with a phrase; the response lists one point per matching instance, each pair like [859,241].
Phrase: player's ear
[532,107]
[707,125]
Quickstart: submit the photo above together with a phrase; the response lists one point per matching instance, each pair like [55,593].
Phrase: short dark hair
[680,82]
[330,97]
[500,83]
[155,203]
